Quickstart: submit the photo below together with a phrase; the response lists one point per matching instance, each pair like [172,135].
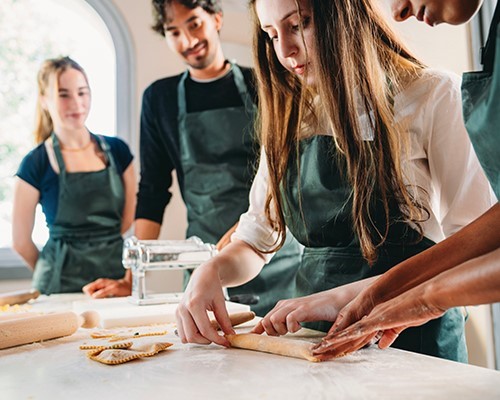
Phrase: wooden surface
[44,370]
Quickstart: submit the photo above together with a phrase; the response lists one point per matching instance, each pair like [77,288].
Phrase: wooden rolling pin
[236,319]
[18,297]
[43,327]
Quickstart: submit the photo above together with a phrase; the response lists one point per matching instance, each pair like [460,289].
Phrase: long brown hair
[48,75]
[359,62]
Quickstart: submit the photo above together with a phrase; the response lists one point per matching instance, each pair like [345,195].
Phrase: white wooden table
[58,369]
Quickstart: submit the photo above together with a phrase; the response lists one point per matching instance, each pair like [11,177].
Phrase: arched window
[93,33]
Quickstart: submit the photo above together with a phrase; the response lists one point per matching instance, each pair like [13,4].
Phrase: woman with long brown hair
[463,269]
[85,184]
[353,129]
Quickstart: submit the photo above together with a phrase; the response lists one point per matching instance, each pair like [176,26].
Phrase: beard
[202,61]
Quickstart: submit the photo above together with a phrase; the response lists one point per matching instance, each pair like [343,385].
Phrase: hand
[203,293]
[389,318]
[287,315]
[104,287]
[356,309]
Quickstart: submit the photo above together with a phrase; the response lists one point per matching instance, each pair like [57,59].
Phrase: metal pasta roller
[141,256]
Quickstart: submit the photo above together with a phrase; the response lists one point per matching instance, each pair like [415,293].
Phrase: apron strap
[114,178]
[107,151]
[488,51]
[58,154]
[239,81]
[181,94]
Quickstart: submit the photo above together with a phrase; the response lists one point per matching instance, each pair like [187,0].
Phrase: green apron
[84,241]
[332,256]
[218,155]
[481,106]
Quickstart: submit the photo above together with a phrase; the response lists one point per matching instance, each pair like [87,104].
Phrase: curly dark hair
[159,13]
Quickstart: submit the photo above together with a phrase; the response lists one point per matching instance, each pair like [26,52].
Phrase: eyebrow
[170,28]
[67,90]
[282,19]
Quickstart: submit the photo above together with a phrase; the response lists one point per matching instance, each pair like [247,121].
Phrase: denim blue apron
[481,106]
[332,255]
[84,241]
[218,154]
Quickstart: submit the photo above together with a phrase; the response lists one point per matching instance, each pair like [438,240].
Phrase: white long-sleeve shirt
[441,161]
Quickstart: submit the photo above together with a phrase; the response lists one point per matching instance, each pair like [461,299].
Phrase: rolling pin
[43,327]
[18,297]
[236,319]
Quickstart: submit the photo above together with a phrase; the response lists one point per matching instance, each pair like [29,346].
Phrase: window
[94,35]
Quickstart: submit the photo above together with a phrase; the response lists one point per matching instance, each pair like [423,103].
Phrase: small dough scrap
[102,334]
[114,356]
[136,335]
[101,347]
[276,345]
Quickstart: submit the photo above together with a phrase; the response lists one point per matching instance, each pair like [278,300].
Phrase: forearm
[146,229]
[130,188]
[28,252]
[474,282]
[237,264]
[476,239]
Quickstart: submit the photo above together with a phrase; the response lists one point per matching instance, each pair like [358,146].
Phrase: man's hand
[103,287]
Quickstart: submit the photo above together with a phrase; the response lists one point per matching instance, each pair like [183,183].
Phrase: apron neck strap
[488,51]
[239,81]
[100,140]
[58,154]
[106,150]
[181,94]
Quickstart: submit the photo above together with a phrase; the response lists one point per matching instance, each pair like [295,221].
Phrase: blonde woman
[353,129]
[85,184]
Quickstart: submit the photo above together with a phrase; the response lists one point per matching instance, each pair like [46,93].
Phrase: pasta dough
[276,345]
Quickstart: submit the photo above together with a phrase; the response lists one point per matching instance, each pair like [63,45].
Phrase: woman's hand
[203,293]
[235,265]
[287,315]
[103,287]
[385,322]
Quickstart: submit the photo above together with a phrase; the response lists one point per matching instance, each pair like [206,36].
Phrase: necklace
[78,148]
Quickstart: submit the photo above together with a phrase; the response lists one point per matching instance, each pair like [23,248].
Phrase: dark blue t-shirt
[36,170]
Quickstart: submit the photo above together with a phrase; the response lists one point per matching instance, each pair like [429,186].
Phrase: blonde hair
[48,75]
[359,62]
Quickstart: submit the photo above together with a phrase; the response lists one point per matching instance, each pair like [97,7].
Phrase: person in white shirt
[463,269]
[353,167]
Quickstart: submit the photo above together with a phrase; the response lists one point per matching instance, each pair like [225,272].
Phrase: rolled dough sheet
[282,345]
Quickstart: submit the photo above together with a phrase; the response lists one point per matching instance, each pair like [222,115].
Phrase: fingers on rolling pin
[236,319]
[43,327]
